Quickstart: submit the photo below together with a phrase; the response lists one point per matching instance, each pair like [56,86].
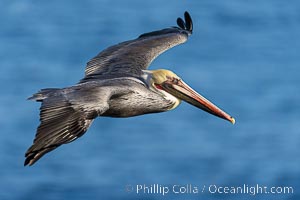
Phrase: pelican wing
[131,57]
[66,114]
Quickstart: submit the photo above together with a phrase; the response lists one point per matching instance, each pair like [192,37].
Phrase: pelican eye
[175,80]
[172,79]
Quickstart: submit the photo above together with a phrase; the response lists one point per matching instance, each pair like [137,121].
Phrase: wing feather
[131,57]
[59,125]
[65,115]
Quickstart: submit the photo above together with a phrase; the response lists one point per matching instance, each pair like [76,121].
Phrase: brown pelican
[116,84]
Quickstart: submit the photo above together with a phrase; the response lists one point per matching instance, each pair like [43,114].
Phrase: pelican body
[117,83]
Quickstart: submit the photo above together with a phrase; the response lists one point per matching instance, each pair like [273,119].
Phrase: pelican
[116,84]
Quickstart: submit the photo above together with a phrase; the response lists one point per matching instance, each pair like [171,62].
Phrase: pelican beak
[181,90]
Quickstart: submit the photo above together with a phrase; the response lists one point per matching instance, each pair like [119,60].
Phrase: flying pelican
[116,84]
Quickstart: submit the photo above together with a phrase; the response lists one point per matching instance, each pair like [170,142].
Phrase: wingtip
[27,162]
[181,23]
[29,159]
[30,98]
[187,23]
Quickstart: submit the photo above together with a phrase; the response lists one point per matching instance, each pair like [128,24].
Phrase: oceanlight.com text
[192,189]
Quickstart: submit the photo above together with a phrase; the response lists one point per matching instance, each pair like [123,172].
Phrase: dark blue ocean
[243,55]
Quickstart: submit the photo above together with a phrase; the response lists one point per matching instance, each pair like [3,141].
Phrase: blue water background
[243,55]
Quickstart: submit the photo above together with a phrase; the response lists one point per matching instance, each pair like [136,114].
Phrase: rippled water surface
[243,55]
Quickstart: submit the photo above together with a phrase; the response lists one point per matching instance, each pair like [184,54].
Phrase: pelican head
[172,87]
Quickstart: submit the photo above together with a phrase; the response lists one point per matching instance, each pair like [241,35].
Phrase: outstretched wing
[65,116]
[60,124]
[130,57]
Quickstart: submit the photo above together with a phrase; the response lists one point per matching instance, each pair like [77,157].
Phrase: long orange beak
[181,90]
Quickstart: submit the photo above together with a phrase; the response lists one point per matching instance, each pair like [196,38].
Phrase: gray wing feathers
[132,56]
[60,124]
[63,119]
